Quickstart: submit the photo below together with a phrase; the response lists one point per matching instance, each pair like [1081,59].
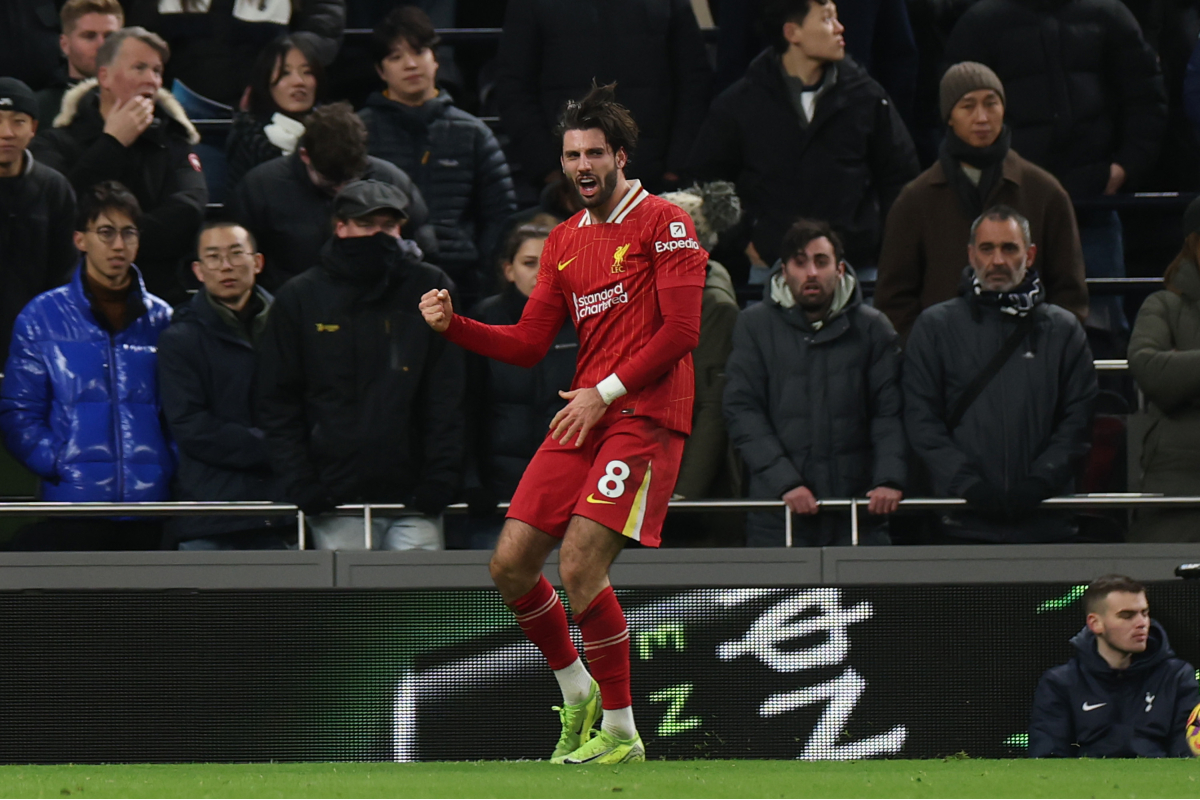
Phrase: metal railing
[368,510]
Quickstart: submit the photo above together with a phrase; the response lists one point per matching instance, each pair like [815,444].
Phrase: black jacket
[159,168]
[206,379]
[37,248]
[846,166]
[553,49]
[359,398]
[457,163]
[1032,420]
[247,147]
[510,407]
[1085,708]
[817,408]
[29,48]
[213,52]
[1083,87]
[291,218]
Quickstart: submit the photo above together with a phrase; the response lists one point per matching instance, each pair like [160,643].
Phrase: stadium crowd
[218,218]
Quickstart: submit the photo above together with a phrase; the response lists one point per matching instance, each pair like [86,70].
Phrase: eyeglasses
[108,234]
[236,258]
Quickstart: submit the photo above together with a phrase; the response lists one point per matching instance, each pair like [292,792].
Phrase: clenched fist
[437,309]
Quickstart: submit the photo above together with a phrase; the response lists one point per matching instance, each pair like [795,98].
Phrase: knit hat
[964,77]
[16,96]
[1191,218]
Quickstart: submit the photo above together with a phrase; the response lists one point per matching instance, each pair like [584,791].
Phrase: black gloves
[1020,502]
[313,499]
[988,501]
[481,501]
[1026,496]
[432,498]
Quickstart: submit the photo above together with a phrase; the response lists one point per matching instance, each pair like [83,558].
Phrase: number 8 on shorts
[612,483]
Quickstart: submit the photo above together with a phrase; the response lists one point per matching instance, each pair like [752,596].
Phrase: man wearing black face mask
[930,222]
[360,400]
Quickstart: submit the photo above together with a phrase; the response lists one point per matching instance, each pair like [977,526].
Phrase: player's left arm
[679,285]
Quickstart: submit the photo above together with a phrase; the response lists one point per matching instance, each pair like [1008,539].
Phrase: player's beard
[607,185]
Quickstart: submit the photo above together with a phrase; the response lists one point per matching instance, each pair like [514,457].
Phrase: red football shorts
[622,477]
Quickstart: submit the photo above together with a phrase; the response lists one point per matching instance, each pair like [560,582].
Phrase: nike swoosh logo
[563,264]
[591,498]
[1092,707]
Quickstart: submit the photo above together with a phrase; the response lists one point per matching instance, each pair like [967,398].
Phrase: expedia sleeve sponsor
[599,301]
[678,244]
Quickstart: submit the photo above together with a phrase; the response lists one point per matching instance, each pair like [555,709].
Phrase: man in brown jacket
[926,236]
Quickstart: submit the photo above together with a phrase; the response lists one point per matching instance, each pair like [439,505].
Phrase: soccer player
[630,272]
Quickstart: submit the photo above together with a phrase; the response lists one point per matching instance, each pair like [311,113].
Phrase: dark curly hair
[599,109]
[335,140]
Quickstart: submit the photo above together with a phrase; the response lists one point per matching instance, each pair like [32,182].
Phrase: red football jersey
[606,276]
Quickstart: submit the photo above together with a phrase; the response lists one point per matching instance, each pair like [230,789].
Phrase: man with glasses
[79,406]
[206,376]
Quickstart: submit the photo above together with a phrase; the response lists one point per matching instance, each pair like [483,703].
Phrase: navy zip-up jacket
[1087,708]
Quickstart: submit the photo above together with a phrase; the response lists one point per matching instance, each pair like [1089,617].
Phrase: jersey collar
[633,196]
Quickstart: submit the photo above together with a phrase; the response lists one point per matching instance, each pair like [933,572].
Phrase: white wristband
[611,388]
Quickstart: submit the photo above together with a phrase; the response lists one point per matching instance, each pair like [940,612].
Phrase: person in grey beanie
[925,239]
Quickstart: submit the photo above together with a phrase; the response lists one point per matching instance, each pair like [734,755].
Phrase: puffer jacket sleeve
[187,405]
[886,406]
[1187,696]
[494,193]
[1169,377]
[748,416]
[706,448]
[321,23]
[1071,439]
[925,413]
[25,401]
[1141,98]
[441,402]
[281,387]
[1050,728]
[717,151]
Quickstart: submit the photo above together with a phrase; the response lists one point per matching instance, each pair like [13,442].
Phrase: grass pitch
[950,778]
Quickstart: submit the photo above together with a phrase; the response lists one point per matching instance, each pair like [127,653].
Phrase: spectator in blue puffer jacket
[79,405]
[452,156]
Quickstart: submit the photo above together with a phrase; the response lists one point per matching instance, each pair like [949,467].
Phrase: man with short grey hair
[998,391]
[123,126]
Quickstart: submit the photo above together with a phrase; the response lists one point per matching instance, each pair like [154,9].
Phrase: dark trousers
[87,534]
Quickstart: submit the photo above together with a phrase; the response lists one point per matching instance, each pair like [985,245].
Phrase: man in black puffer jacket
[452,156]
[812,396]
[206,379]
[1124,694]
[360,400]
[808,133]
[1019,437]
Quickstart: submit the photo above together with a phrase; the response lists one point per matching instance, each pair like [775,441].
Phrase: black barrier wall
[856,672]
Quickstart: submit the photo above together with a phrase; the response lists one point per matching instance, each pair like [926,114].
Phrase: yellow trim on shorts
[637,514]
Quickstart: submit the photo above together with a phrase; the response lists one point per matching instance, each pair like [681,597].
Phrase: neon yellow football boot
[577,723]
[604,748]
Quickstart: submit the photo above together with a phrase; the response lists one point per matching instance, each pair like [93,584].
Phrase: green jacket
[1164,356]
[709,465]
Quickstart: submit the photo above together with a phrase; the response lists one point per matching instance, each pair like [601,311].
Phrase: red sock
[541,615]
[606,642]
